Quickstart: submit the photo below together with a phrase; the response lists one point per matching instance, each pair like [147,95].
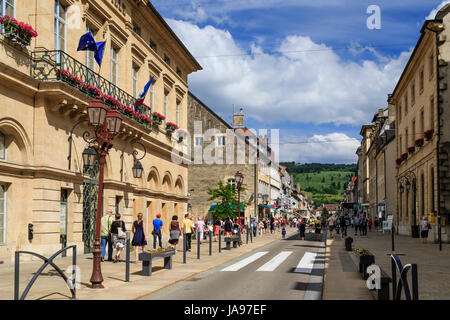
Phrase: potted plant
[404,156]
[171,127]
[92,91]
[398,161]
[18,31]
[157,118]
[411,149]
[128,111]
[419,142]
[428,134]
[112,102]
[348,243]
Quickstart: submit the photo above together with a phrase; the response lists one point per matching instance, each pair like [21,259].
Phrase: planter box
[147,258]
[13,33]
[365,261]
[348,244]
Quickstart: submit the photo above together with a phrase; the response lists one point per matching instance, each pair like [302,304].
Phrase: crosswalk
[305,264]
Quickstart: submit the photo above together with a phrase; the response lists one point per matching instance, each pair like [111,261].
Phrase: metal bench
[228,241]
[147,259]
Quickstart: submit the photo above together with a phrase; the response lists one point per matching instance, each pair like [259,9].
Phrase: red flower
[398,161]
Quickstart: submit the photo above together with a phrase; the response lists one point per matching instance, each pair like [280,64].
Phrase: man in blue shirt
[157,224]
[357,224]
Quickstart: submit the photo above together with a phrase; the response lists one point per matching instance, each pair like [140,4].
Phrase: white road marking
[306,264]
[239,265]
[276,261]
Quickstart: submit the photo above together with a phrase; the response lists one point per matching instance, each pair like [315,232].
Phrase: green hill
[324,183]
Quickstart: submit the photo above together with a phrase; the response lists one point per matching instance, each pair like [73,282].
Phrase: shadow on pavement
[303,286]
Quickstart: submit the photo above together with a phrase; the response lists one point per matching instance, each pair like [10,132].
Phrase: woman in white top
[424,226]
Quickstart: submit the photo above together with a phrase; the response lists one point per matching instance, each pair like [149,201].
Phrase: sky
[314,70]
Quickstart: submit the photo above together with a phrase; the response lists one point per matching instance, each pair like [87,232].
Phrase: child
[283,232]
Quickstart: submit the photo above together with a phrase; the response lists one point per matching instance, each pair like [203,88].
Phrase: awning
[235,207]
[266,206]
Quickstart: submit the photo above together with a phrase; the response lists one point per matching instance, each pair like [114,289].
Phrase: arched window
[2,146]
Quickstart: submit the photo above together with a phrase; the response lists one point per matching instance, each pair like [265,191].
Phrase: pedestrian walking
[187,227]
[228,227]
[139,236]
[200,226]
[376,223]
[357,224]
[157,224]
[302,228]
[261,228]
[364,226]
[370,224]
[118,236]
[265,226]
[318,229]
[338,225]
[425,227]
[255,227]
[175,232]
[217,229]
[331,224]
[283,232]
[271,225]
[105,234]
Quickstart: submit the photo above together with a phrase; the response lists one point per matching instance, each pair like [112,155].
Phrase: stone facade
[38,112]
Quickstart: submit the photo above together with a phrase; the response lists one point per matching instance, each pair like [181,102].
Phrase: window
[152,95]
[60,28]
[136,28]
[134,75]
[114,62]
[118,198]
[179,72]
[152,45]
[178,113]
[167,59]
[90,59]
[221,141]
[406,140]
[413,132]
[2,213]
[232,182]
[431,112]
[421,80]
[399,113]
[406,104]
[2,146]
[422,124]
[198,141]
[7,7]
[413,94]
[431,65]
[432,190]
[166,99]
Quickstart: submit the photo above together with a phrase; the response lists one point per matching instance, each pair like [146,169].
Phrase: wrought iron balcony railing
[56,65]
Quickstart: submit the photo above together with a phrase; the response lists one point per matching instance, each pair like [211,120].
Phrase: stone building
[39,108]
[421,100]
[212,160]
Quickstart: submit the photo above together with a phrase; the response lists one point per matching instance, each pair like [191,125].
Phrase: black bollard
[127,259]
[415,286]
[220,241]
[198,245]
[247,234]
[210,243]
[392,235]
[251,235]
[184,246]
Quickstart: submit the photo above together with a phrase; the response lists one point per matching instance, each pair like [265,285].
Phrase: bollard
[210,243]
[220,238]
[247,235]
[127,259]
[392,235]
[16,275]
[74,263]
[198,245]
[251,236]
[184,246]
[394,280]
[415,285]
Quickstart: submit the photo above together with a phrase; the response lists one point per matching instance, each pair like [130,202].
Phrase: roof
[161,19]
[211,111]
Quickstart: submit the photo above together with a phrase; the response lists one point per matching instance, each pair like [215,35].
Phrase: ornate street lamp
[89,155]
[137,170]
[239,178]
[106,125]
[401,188]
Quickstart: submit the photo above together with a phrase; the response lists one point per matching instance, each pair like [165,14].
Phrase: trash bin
[415,231]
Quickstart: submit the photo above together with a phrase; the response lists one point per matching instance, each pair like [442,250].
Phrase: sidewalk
[343,281]
[50,286]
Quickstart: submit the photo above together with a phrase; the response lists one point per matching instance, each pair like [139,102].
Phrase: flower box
[404,156]
[348,243]
[365,259]
[17,31]
[428,134]
[157,118]
[69,78]
[112,102]
[171,127]
[411,149]
[92,91]
[419,142]
[398,161]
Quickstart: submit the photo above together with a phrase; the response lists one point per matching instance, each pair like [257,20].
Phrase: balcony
[57,65]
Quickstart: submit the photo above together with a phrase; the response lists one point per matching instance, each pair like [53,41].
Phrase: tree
[227,200]
[323,179]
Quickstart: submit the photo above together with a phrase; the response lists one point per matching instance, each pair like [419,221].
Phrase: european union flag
[140,100]
[100,50]
[87,42]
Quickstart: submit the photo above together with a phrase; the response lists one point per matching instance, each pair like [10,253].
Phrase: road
[289,269]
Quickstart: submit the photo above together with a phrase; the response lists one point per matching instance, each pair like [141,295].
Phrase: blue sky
[300,81]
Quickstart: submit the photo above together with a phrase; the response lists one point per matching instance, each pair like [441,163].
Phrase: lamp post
[239,178]
[106,125]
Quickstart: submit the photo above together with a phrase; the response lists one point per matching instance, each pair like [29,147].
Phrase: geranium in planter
[171,127]
[398,161]
[112,102]
[128,111]
[71,79]
[411,149]
[92,91]
[17,31]
[157,118]
[404,156]
[145,120]
[419,142]
[428,134]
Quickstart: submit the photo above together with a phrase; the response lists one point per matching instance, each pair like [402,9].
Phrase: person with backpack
[283,232]
[364,226]
[318,229]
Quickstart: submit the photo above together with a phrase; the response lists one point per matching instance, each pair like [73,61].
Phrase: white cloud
[330,148]
[433,12]
[315,86]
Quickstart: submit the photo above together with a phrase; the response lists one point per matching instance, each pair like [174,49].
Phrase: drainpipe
[439,137]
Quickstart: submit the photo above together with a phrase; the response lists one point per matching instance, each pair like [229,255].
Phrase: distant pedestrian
[364,226]
[376,223]
[271,225]
[106,223]
[217,228]
[228,227]
[118,235]
[254,226]
[139,237]
[175,232]
[283,232]
[318,229]
[302,228]
[200,225]
[425,227]
[338,225]
[370,224]
[265,226]
[331,224]
[157,224]
[261,228]
[187,228]
[357,224]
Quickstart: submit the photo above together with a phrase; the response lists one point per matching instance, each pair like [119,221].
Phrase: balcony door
[60,30]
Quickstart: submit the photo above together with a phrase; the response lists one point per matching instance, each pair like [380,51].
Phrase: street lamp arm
[69,157]
[135,152]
